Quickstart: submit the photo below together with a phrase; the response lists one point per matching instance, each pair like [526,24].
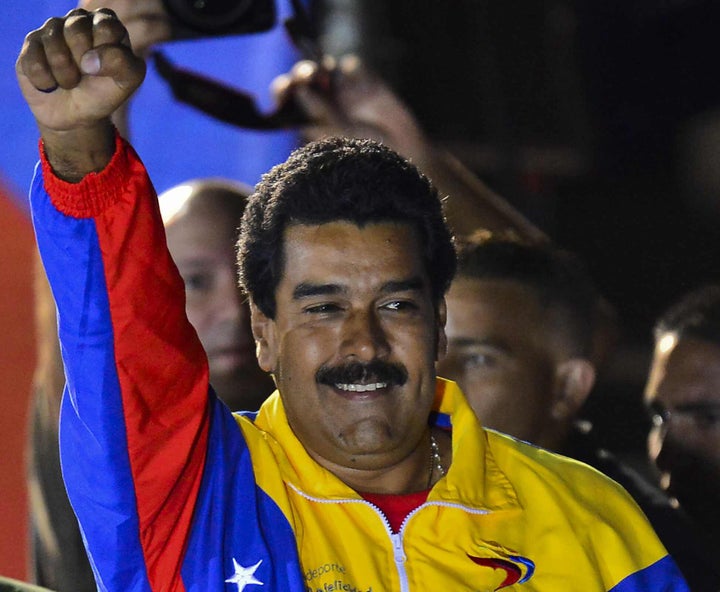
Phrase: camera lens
[208,15]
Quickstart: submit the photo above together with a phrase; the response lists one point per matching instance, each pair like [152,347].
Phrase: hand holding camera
[345,97]
[153,21]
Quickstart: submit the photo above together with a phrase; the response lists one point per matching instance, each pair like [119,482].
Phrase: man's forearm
[78,152]
[471,205]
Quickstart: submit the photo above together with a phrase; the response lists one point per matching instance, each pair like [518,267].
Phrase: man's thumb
[114,61]
[90,62]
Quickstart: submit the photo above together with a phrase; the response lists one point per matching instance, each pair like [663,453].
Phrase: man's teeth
[361,388]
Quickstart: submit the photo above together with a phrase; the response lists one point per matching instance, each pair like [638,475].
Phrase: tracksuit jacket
[173,492]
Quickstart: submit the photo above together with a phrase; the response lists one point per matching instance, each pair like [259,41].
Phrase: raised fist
[76,70]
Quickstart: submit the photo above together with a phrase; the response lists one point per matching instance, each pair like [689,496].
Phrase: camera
[210,18]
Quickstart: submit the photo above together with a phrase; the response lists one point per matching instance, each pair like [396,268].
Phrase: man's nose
[364,337]
[230,301]
[663,445]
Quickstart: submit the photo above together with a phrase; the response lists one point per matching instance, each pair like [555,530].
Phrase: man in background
[521,327]
[201,220]
[683,397]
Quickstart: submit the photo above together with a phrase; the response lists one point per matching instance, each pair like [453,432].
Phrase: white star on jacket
[244,575]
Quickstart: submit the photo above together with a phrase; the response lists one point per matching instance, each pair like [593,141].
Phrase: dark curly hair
[358,181]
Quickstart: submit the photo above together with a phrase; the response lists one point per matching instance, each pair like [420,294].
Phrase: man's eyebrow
[307,289]
[469,342]
[700,406]
[408,285]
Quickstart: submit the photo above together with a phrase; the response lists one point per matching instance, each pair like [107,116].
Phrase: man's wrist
[73,154]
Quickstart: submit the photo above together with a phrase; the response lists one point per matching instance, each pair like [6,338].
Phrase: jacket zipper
[396,538]
[399,556]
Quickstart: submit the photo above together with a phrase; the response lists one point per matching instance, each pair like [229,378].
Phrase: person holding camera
[363,470]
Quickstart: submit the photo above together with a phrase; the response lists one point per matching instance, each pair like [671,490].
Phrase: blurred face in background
[509,363]
[683,397]
[201,228]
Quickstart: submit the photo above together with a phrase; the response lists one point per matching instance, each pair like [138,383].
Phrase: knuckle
[54,22]
[60,61]
[109,28]
[35,70]
[280,85]
[76,22]
[105,17]
[75,12]
[32,41]
[106,11]
[350,64]
[52,27]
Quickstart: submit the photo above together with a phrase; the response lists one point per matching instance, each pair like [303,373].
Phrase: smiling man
[363,471]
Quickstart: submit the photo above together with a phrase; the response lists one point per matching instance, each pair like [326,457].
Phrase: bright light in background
[173,201]
[667,342]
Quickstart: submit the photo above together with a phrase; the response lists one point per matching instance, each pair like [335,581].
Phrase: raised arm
[346,98]
[58,558]
[134,417]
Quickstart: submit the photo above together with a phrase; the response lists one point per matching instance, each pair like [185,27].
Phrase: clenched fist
[74,72]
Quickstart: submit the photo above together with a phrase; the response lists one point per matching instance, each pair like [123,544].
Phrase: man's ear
[440,328]
[263,329]
[574,379]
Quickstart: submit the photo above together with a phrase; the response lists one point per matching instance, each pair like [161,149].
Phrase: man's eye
[325,308]
[704,419]
[197,282]
[478,360]
[707,420]
[400,306]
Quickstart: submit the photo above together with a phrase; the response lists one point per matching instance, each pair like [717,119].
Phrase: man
[345,479]
[520,329]
[683,396]
[201,219]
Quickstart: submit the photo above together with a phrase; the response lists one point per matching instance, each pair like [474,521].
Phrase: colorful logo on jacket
[515,569]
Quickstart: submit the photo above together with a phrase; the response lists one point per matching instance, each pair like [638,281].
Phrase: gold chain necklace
[435,461]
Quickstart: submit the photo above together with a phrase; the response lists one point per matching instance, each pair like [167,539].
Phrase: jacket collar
[474,479]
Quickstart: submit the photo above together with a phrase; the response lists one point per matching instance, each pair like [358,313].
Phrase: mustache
[354,372]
